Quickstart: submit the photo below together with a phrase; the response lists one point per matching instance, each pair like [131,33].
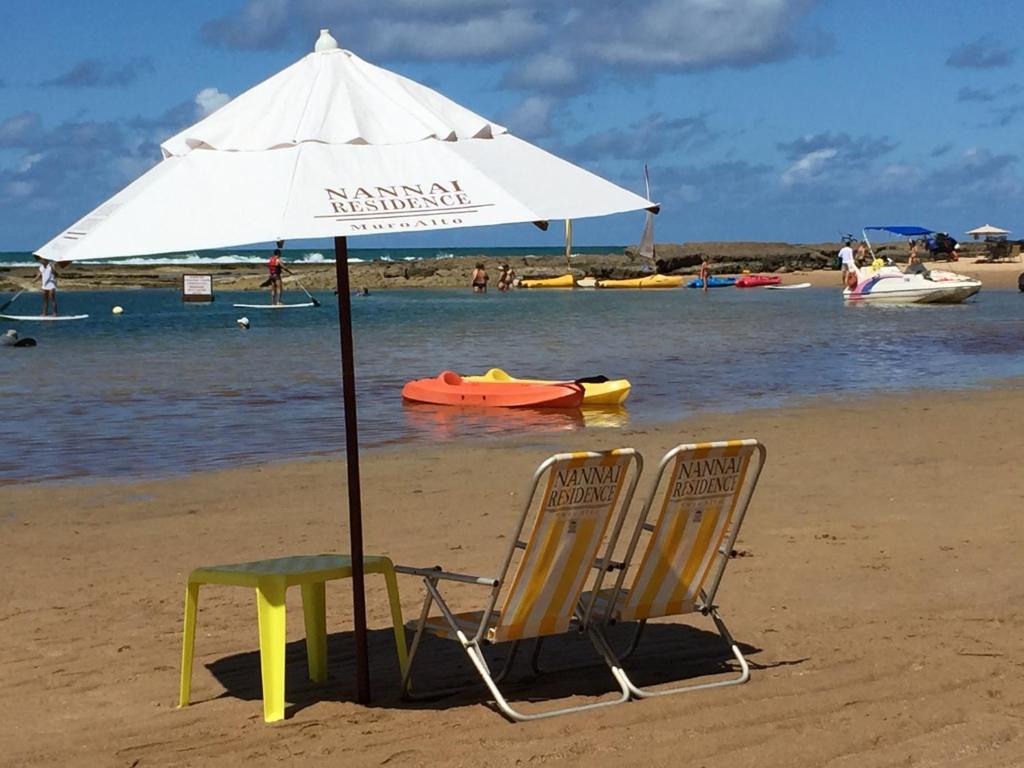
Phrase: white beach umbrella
[329,147]
[987,230]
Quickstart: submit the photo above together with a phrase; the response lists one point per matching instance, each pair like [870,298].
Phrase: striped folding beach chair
[539,583]
[703,491]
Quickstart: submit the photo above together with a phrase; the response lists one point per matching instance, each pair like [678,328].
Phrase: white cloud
[531,117]
[209,100]
[545,71]
[473,37]
[692,34]
[808,168]
[597,34]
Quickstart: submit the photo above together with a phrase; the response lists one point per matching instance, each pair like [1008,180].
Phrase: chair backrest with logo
[579,496]
[705,489]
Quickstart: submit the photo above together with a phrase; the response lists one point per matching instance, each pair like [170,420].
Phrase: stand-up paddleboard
[42,318]
[274,306]
[787,287]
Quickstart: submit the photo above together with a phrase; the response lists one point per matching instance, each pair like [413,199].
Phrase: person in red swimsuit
[275,266]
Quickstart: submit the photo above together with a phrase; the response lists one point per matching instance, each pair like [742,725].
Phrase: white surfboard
[787,287]
[274,306]
[42,318]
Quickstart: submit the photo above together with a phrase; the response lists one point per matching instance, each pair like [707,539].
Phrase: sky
[769,120]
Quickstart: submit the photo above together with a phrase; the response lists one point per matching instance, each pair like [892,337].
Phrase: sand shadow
[668,653]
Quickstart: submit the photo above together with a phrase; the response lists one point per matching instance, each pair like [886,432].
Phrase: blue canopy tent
[905,231]
[902,230]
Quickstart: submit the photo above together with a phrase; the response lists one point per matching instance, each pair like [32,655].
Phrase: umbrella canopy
[334,146]
[987,230]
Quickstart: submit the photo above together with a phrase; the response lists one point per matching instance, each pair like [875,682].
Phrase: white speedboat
[891,286]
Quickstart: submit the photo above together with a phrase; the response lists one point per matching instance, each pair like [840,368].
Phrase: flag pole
[355,504]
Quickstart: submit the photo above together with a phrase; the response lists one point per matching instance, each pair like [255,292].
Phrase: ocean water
[316,256]
[168,387]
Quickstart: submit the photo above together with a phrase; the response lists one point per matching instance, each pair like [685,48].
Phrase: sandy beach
[878,594]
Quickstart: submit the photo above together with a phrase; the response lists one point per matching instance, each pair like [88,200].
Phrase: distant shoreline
[813,263]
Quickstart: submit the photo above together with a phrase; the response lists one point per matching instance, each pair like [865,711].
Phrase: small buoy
[117,310]
[243,323]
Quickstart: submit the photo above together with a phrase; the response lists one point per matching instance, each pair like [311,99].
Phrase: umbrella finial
[325,42]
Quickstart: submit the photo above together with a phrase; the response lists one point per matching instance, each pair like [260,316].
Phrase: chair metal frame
[473,645]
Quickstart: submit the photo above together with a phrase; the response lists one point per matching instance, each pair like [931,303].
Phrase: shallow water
[169,387]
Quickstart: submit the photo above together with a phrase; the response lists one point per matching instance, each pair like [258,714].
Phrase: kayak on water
[612,392]
[651,281]
[757,281]
[713,282]
[451,389]
[562,281]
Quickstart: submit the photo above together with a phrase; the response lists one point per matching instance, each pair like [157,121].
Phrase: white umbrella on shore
[329,147]
[987,230]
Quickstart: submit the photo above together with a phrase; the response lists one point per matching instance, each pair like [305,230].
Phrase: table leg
[397,622]
[188,643]
[314,610]
[271,613]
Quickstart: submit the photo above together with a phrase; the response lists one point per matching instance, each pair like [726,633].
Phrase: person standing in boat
[705,275]
[912,254]
[479,278]
[860,256]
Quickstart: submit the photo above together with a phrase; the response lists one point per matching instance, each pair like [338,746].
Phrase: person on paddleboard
[276,267]
[48,285]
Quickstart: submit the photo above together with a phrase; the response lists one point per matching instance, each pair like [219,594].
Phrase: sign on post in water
[197,288]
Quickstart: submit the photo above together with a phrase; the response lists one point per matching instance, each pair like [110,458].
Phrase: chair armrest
[437,573]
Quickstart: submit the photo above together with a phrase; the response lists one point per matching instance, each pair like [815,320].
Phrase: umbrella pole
[355,504]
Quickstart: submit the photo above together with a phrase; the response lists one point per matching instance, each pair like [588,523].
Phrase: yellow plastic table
[271,579]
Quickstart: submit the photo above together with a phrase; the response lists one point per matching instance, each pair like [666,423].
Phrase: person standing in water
[705,275]
[479,278]
[276,266]
[846,260]
[48,285]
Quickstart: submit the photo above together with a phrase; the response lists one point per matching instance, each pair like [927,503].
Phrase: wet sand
[878,594]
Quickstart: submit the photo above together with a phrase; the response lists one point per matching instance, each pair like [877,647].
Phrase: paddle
[10,301]
[316,303]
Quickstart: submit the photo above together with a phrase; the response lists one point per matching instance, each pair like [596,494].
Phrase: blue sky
[760,119]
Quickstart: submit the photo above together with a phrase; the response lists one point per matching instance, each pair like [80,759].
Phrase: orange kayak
[451,389]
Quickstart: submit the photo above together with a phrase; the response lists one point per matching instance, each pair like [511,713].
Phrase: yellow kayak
[562,281]
[651,281]
[602,393]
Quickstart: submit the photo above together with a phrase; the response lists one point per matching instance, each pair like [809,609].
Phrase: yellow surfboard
[602,393]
